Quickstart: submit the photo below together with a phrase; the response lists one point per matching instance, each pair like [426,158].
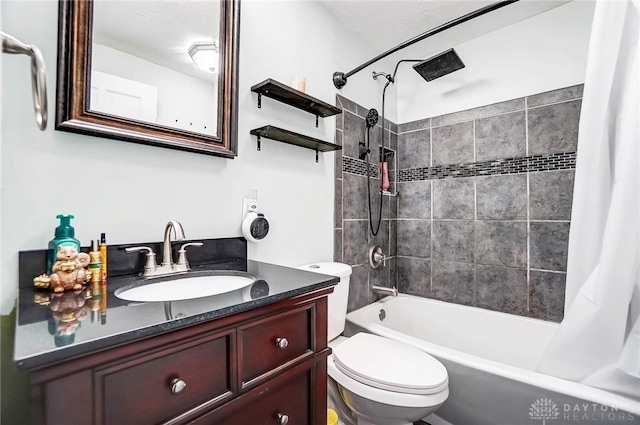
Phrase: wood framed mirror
[111,84]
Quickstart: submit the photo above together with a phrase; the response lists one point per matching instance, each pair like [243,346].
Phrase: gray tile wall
[485,202]
[352,236]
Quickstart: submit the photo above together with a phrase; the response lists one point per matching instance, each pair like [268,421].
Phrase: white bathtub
[491,358]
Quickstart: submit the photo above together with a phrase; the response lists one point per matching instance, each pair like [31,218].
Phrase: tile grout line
[342,138]
[431,206]
[475,220]
[497,266]
[342,219]
[527,194]
[479,117]
[558,102]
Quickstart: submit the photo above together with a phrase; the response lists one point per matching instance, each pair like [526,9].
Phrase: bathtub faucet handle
[376,257]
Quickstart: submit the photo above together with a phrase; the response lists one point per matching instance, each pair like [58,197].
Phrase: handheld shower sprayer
[371,120]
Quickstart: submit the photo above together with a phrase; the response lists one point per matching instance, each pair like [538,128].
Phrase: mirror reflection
[157,62]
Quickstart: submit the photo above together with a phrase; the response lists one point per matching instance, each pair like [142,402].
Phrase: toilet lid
[390,365]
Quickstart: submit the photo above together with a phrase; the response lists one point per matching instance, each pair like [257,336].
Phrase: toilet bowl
[382,381]
[385,382]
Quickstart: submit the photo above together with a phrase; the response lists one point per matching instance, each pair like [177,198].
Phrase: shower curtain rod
[340,78]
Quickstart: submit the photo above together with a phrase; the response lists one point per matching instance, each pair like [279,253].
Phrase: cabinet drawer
[264,405]
[140,391]
[272,342]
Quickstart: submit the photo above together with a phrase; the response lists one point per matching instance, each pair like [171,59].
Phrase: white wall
[1,262]
[130,191]
[542,53]
[182,99]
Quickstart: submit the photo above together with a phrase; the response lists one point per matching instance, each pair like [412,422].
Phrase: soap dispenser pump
[64,236]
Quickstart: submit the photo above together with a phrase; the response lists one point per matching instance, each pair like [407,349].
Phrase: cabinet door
[154,388]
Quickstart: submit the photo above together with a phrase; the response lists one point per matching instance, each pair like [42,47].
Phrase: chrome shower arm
[38,74]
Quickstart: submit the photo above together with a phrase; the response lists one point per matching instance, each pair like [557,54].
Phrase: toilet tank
[338,299]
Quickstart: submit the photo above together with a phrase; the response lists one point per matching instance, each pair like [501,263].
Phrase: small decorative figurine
[68,272]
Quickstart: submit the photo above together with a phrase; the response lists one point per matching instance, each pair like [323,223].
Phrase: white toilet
[382,381]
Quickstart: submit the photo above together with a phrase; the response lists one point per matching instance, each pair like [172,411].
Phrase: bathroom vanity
[254,356]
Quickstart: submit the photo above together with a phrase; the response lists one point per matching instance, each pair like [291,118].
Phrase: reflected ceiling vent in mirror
[204,55]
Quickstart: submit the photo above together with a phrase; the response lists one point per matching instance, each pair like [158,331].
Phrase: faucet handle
[182,254]
[150,264]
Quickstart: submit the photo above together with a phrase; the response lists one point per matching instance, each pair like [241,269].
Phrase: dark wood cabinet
[262,366]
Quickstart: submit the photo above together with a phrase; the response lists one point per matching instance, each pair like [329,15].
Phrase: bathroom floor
[433,419]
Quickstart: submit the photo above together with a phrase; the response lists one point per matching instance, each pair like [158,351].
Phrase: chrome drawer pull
[282,343]
[178,386]
[283,419]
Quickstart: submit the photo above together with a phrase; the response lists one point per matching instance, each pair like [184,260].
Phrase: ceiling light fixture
[204,55]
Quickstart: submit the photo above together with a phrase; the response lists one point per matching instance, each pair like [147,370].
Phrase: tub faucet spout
[383,290]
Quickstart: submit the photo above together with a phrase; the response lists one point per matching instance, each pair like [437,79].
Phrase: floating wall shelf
[286,136]
[290,96]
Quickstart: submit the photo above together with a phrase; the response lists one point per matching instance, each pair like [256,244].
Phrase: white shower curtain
[598,342]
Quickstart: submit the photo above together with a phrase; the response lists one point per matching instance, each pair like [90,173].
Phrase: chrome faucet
[167,266]
[167,261]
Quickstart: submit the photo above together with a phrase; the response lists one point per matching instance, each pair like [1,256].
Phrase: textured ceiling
[161,31]
[384,24]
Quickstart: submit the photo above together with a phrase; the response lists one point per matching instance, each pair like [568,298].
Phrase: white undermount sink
[185,287]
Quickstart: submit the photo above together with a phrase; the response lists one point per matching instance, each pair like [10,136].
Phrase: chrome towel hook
[38,74]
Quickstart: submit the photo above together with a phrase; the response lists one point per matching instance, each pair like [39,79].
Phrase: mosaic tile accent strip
[359,167]
[553,161]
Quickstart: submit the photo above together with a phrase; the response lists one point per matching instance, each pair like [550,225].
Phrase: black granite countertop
[51,328]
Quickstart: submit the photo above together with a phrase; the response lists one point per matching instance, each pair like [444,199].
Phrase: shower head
[439,65]
[372,118]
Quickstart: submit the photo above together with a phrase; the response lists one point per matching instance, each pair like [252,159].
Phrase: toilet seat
[390,365]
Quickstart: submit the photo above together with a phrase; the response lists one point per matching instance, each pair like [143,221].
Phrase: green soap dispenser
[63,237]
